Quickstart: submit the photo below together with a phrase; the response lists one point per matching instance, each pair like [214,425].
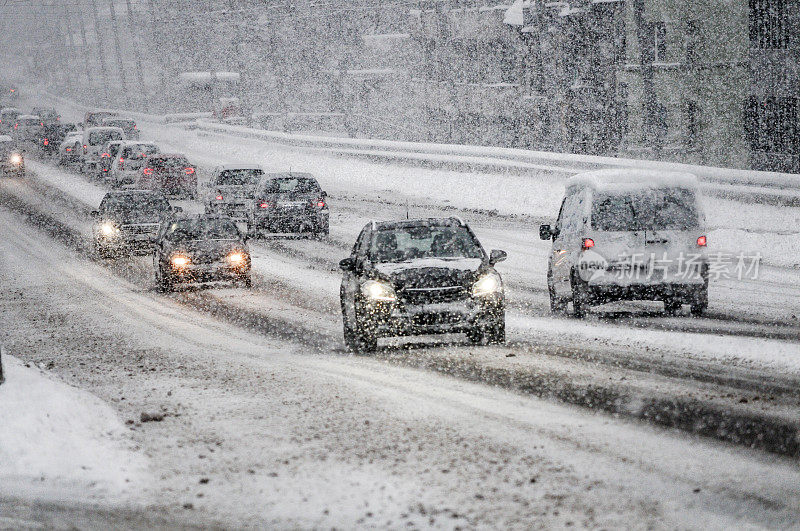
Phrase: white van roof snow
[224,167]
[619,179]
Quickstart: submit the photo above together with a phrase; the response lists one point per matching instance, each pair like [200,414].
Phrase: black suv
[129,220]
[420,277]
[201,249]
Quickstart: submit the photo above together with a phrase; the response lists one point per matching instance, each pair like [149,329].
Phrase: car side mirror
[94,213]
[324,193]
[497,256]
[546,232]
[348,264]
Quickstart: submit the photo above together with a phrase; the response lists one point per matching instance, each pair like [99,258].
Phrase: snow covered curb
[55,437]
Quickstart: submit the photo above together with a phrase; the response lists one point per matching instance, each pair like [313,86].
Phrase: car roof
[621,179]
[123,193]
[28,117]
[288,175]
[118,119]
[138,143]
[224,167]
[422,222]
[104,128]
[167,156]
[6,138]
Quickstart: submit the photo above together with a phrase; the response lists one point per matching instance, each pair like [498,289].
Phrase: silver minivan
[628,235]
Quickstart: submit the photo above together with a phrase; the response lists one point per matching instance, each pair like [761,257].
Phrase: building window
[692,41]
[655,49]
[769,24]
[772,126]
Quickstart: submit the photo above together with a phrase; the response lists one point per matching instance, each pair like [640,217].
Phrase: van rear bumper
[601,294]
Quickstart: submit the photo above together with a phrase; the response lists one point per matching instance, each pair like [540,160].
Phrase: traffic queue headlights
[108,229]
[179,261]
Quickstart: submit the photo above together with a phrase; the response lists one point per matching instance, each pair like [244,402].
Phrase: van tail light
[265,204]
[189,171]
[45,142]
[219,197]
[148,171]
[321,203]
[701,241]
[588,243]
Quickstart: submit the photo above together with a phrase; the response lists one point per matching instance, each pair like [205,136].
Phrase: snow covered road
[263,432]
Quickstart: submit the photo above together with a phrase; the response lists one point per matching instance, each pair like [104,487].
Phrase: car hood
[431,272]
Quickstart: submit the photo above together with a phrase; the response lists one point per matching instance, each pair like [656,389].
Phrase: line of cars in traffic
[619,235]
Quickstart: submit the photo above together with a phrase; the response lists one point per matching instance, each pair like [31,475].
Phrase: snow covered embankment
[59,442]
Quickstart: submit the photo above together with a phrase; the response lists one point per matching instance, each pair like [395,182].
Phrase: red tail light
[69,149]
[42,124]
[121,161]
[264,204]
[701,241]
[46,142]
[105,155]
[148,171]
[321,203]
[219,197]
[189,171]
[588,243]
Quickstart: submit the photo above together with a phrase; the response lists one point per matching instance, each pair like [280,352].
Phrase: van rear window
[648,209]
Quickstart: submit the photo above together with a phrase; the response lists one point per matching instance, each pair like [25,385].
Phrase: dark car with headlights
[201,249]
[12,158]
[421,277]
[128,221]
[289,203]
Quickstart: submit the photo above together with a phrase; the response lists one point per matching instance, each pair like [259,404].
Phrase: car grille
[418,296]
[140,229]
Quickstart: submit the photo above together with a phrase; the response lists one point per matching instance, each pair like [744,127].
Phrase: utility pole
[85,49]
[136,52]
[71,53]
[118,48]
[646,55]
[161,63]
[101,56]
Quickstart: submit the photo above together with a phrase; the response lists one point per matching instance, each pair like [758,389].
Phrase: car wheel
[580,297]
[164,281]
[494,333]
[359,338]
[558,306]
[673,306]
[699,302]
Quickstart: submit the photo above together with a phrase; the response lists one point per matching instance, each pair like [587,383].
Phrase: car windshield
[136,208]
[101,137]
[297,185]
[649,209]
[170,163]
[242,177]
[203,229]
[422,241]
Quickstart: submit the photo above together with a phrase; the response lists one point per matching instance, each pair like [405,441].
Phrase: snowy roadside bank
[57,441]
[759,186]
